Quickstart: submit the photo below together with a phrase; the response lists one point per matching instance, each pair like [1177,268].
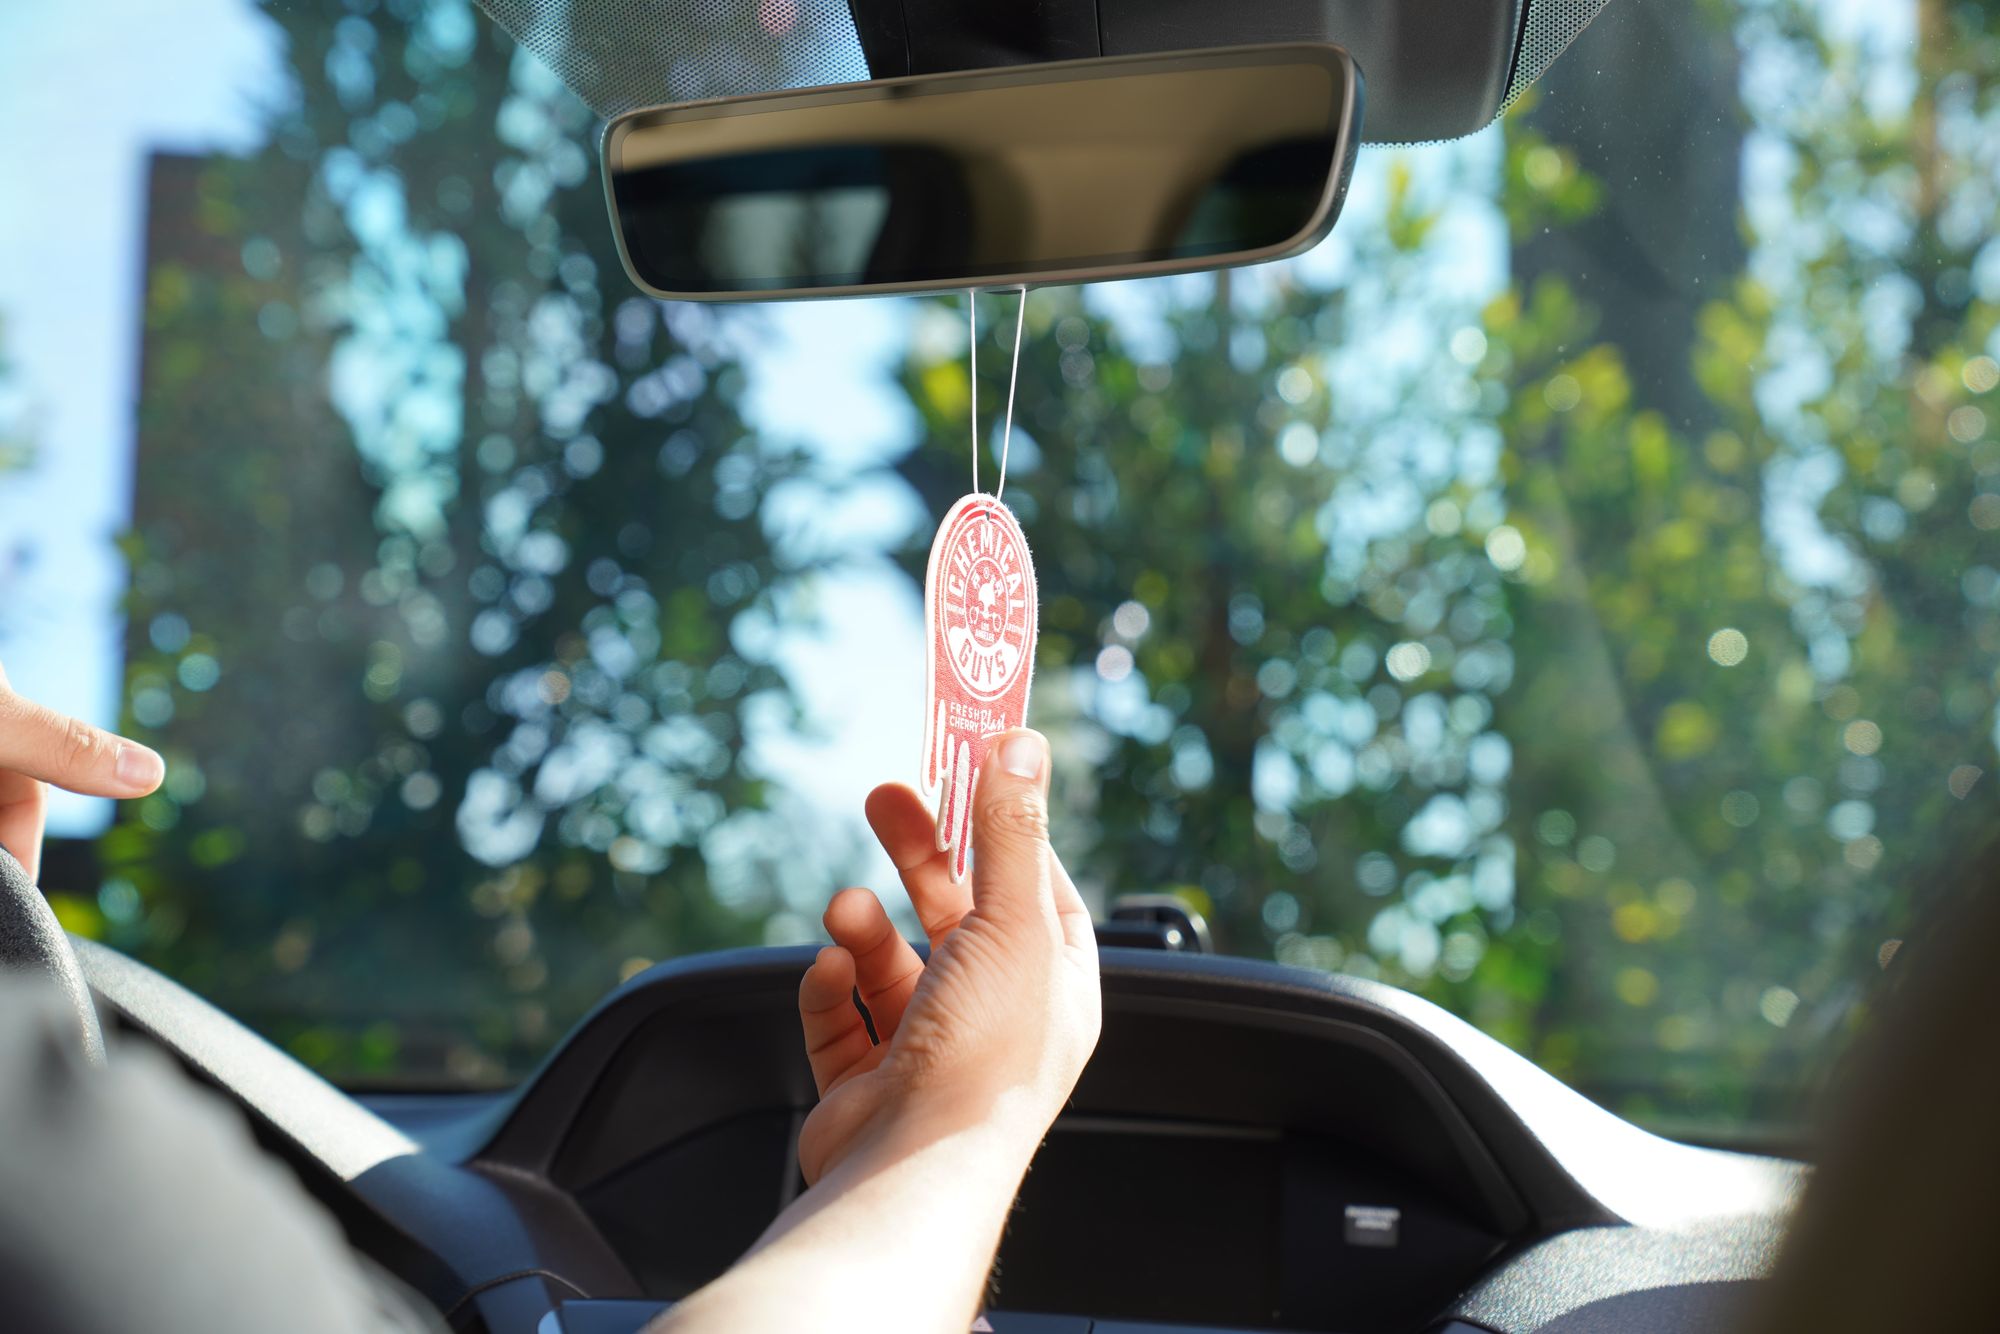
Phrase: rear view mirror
[1069,172]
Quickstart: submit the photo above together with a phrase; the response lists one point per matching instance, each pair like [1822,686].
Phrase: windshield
[1570,592]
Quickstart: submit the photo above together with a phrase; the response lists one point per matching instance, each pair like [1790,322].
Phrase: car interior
[1329,1096]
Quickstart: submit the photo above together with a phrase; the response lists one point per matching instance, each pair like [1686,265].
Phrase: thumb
[1010,828]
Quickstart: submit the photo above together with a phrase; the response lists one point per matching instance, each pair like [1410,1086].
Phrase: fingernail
[138,767]
[1021,755]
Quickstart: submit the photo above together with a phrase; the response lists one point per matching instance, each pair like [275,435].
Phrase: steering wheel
[32,942]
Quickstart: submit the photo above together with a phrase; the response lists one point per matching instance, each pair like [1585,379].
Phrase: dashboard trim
[463,1206]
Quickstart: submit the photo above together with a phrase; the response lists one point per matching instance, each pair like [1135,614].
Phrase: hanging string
[1013,381]
[1013,378]
[972,341]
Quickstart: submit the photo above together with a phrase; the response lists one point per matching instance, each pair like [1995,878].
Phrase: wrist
[986,1138]
[923,1190]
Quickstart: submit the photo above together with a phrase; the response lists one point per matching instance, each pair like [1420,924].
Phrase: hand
[996,1029]
[39,745]
[919,1142]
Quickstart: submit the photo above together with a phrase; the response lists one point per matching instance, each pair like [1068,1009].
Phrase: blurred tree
[450,594]
[1799,711]
[1640,752]
[1626,223]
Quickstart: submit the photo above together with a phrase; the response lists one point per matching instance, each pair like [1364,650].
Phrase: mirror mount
[1436,69]
[901,37]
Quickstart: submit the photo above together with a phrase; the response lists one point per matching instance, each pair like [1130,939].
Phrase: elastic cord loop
[1013,382]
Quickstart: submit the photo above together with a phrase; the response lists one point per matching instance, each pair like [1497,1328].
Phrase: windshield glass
[1570,592]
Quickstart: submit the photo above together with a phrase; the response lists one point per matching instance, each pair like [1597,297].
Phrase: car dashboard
[1253,1147]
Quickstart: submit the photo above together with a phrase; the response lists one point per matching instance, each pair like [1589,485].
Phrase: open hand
[998,1025]
[39,745]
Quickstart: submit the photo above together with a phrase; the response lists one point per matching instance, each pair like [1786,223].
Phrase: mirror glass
[1045,173]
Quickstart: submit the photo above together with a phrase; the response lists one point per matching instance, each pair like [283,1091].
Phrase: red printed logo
[980,607]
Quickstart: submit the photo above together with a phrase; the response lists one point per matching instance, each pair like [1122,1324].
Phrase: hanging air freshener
[980,615]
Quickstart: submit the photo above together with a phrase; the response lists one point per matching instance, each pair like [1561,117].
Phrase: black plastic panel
[1230,1064]
[501,1209]
[1140,1221]
[1436,69]
[693,1041]
[683,1215]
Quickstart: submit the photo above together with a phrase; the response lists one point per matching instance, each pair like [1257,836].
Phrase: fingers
[886,969]
[44,744]
[1011,872]
[908,834]
[836,1039]
[39,745]
[23,802]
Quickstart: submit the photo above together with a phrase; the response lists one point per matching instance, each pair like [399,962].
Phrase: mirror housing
[1075,171]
